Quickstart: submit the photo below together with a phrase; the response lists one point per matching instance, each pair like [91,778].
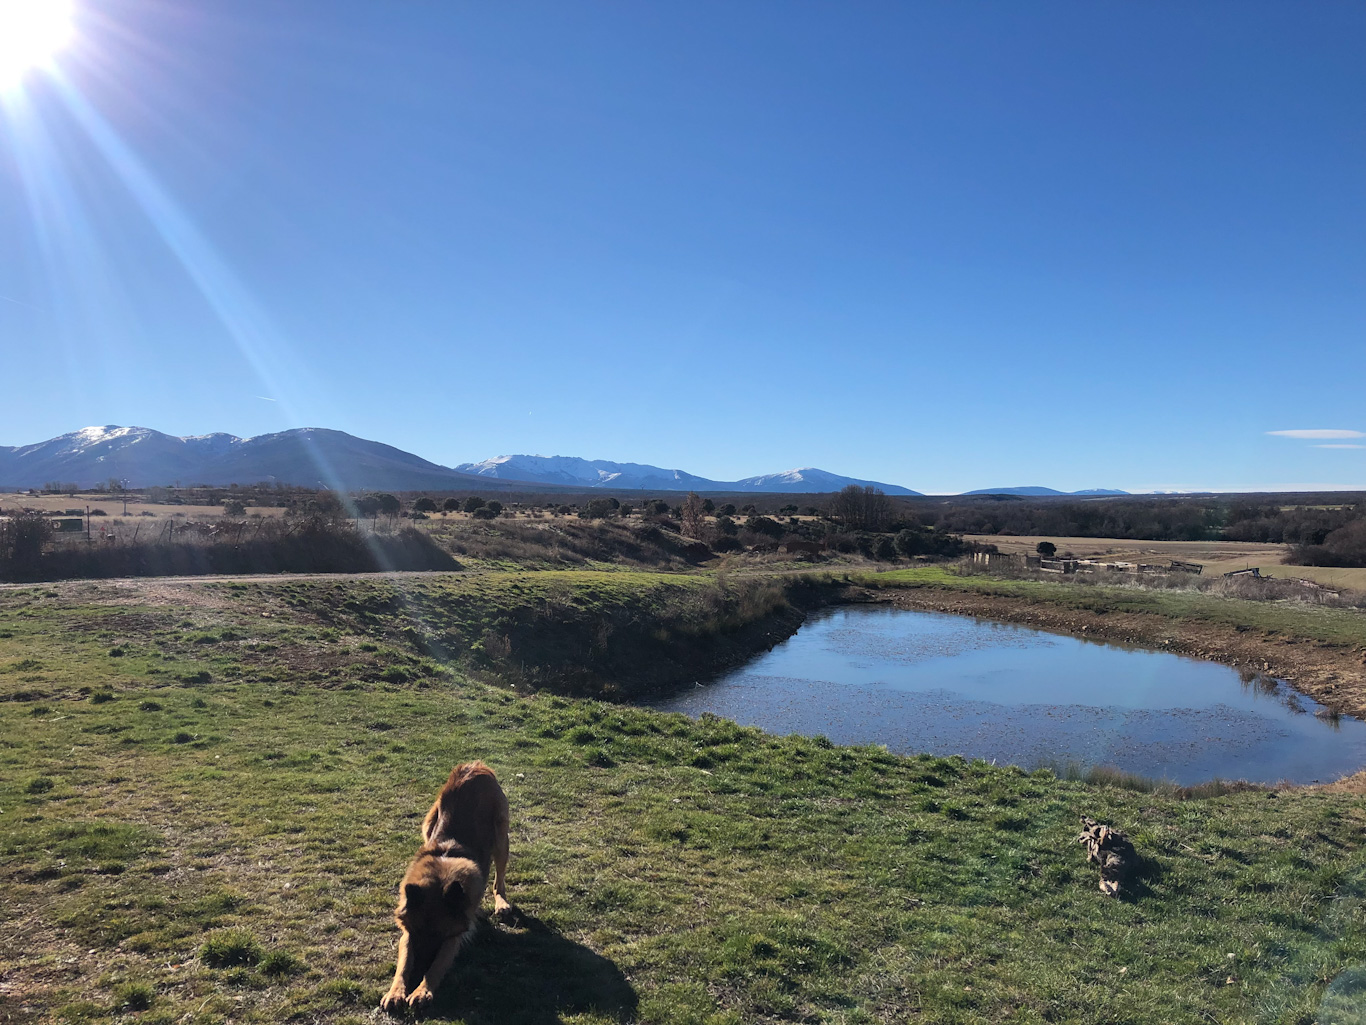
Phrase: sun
[31,32]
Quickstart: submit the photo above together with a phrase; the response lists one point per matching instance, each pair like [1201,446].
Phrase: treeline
[1322,535]
[306,545]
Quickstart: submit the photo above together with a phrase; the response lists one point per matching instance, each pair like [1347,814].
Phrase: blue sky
[945,245]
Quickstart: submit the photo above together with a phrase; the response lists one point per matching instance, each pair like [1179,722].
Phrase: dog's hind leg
[500,866]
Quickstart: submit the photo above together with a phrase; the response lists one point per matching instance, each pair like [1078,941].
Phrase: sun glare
[31,32]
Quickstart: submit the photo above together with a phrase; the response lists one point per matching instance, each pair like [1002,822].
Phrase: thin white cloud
[1318,434]
[1340,446]
[265,398]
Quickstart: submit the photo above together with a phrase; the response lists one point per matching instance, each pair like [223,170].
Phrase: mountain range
[1038,492]
[571,471]
[316,457]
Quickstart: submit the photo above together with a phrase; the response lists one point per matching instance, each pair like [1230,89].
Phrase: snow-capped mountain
[586,473]
[1035,491]
[315,457]
[602,473]
[810,480]
[142,457]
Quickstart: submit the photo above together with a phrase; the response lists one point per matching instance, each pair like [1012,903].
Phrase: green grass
[666,870]
[1344,626]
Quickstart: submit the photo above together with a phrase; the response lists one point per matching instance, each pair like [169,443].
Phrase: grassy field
[1215,556]
[1336,626]
[114,506]
[208,793]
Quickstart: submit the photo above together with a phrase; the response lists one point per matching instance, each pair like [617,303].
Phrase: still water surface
[945,684]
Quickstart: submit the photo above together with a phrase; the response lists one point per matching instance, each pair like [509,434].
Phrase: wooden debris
[1110,849]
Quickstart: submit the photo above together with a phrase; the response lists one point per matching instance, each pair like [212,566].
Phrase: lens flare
[31,33]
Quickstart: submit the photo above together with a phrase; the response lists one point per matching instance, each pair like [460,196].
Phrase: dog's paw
[501,908]
[395,1000]
[421,997]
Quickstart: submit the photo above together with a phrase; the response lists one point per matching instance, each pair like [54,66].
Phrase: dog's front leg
[397,997]
[441,964]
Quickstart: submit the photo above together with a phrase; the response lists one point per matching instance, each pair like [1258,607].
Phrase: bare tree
[693,511]
[862,508]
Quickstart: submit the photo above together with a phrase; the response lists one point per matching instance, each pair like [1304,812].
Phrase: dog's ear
[412,895]
[455,894]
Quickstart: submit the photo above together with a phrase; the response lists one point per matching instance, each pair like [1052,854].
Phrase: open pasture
[1215,556]
[208,792]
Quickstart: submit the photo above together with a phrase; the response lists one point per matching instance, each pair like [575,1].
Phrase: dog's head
[439,895]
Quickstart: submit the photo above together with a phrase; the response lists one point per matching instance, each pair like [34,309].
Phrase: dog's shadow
[519,971]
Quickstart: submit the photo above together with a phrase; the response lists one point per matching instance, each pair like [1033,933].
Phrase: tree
[234,507]
[424,505]
[451,505]
[367,507]
[862,508]
[388,504]
[728,510]
[708,506]
[473,502]
[691,515]
[1047,549]
[495,507]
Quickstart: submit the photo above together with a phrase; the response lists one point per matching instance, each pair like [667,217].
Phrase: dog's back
[469,813]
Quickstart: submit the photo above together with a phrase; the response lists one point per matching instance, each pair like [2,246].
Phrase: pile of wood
[1108,848]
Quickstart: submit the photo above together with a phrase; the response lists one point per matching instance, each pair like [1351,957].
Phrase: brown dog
[465,830]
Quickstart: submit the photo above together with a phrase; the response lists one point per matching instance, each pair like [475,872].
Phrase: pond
[946,684]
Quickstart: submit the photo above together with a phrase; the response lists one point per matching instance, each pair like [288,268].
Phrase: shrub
[230,948]
[133,996]
[473,502]
[726,543]
[424,505]
[596,509]
[23,537]
[280,963]
[234,507]
[764,525]
[451,505]
[484,513]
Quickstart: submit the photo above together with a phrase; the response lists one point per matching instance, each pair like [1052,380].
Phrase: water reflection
[922,681]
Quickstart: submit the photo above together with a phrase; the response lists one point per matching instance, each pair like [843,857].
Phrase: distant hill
[810,480]
[320,458]
[571,471]
[309,456]
[601,473]
[1039,492]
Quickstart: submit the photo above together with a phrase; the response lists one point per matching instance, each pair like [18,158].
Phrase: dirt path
[1332,675]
